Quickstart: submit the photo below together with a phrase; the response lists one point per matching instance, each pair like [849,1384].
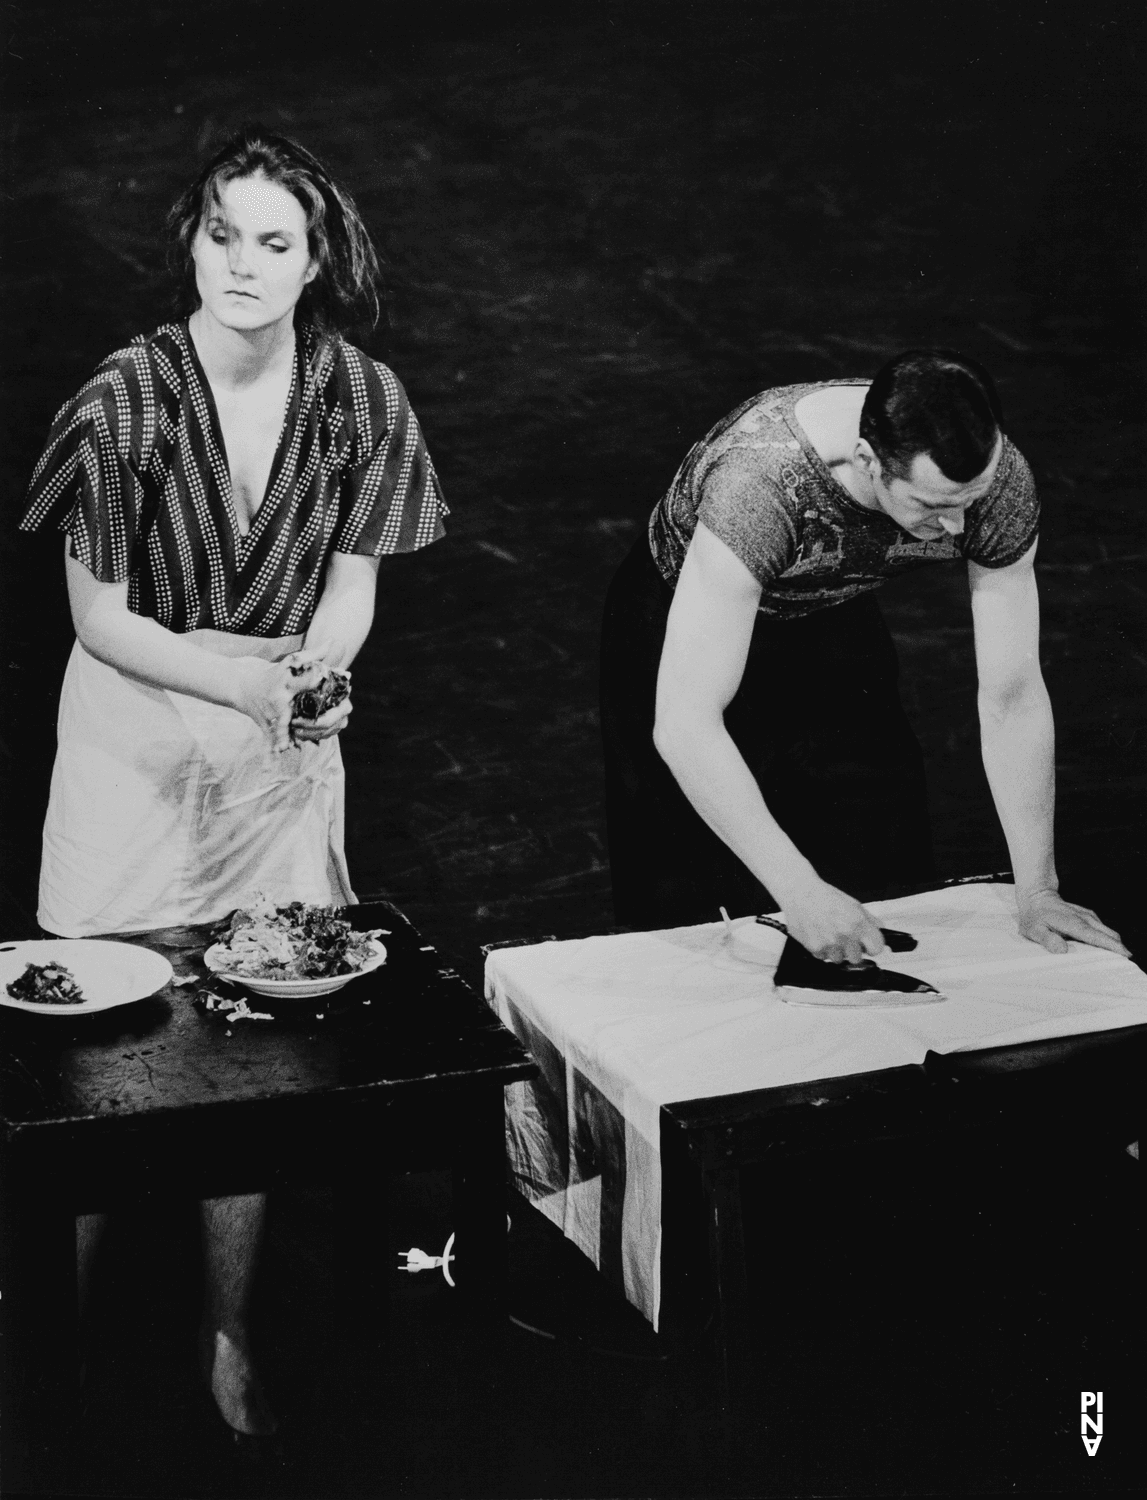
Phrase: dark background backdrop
[604,226]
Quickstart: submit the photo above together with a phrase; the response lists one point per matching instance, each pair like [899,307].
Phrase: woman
[227,485]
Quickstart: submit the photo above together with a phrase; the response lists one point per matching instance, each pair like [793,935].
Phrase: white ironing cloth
[622,1025]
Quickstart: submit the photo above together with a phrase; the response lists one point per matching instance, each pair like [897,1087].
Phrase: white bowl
[289,989]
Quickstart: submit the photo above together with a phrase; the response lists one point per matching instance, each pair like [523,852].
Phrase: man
[756,746]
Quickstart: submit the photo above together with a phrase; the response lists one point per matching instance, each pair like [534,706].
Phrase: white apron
[166,810]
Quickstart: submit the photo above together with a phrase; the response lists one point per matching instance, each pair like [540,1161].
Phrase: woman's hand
[1046,918]
[327,723]
[830,924]
[266,691]
[332,722]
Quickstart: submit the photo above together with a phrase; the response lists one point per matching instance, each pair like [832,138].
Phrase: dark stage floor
[923,1331]
[605,227]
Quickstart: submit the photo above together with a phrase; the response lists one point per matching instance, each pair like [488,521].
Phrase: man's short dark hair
[937,402]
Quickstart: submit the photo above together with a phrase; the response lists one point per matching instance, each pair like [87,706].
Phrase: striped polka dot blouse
[136,473]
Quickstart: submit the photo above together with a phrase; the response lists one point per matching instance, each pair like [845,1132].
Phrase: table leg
[39,1384]
[480,1205]
[363,1256]
[727,1261]
[481,1275]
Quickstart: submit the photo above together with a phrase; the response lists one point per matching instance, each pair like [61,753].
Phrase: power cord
[415,1260]
[418,1260]
[576,1341]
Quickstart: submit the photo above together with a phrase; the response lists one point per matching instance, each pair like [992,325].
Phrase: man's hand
[1046,918]
[831,925]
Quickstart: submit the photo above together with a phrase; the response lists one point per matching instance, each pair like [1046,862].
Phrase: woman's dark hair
[932,401]
[346,291]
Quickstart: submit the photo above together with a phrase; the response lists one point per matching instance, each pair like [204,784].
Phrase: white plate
[289,989]
[108,974]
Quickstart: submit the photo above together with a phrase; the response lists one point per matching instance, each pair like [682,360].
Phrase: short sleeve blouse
[135,472]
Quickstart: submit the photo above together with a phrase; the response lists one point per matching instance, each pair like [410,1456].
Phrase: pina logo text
[1091,1401]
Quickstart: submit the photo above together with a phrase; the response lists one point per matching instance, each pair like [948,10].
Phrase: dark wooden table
[1085,1088]
[402,1069]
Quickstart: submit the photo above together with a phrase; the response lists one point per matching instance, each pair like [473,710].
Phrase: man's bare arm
[703,660]
[1017,737]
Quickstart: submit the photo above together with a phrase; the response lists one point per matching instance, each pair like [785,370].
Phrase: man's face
[928,504]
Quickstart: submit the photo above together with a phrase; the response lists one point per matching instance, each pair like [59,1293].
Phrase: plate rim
[86,1007]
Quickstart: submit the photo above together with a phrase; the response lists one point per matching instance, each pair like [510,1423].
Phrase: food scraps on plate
[47,984]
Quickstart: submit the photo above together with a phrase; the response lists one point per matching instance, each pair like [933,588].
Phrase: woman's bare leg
[232,1232]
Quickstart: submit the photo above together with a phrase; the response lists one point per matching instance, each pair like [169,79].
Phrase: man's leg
[232,1232]
[821,725]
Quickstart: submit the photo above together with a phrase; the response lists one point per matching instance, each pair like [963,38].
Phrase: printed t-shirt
[135,471]
[758,483]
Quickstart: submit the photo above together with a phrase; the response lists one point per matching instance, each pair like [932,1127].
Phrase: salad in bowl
[295,951]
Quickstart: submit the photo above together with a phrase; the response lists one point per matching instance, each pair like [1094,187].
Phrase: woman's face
[251,255]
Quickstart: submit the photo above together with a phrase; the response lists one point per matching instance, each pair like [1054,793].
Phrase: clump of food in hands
[47,984]
[331,690]
[296,941]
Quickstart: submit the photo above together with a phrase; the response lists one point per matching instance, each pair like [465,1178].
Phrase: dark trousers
[819,721]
